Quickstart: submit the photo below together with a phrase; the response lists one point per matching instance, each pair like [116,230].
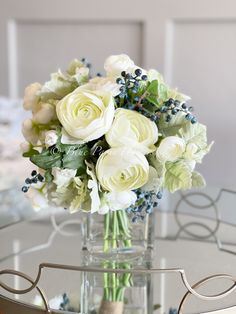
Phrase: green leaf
[152,93]
[74,158]
[156,307]
[152,88]
[31,153]
[153,100]
[172,127]
[59,86]
[48,176]
[177,176]
[194,133]
[197,180]
[46,160]
[157,164]
[162,92]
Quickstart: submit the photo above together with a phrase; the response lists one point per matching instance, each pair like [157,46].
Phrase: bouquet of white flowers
[109,143]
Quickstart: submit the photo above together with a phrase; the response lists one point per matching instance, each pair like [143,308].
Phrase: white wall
[192,42]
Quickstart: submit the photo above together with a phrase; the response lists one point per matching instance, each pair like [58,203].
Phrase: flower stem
[116,230]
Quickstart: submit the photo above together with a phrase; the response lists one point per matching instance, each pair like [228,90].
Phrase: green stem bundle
[116,234]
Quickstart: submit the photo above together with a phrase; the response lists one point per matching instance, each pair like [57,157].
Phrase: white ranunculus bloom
[51,138]
[171,149]
[103,84]
[115,64]
[44,113]
[30,132]
[86,115]
[122,169]
[24,147]
[120,200]
[132,129]
[116,201]
[63,177]
[31,98]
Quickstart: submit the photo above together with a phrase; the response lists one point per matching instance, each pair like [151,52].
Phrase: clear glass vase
[115,236]
[116,293]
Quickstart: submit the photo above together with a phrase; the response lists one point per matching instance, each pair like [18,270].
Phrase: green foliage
[156,307]
[156,93]
[172,127]
[74,158]
[62,156]
[194,133]
[152,93]
[197,180]
[48,176]
[31,153]
[47,159]
[177,176]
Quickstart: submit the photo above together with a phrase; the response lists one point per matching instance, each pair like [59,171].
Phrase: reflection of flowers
[64,302]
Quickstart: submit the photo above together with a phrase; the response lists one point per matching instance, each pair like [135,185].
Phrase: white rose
[122,169]
[63,177]
[24,147]
[44,113]
[85,115]
[114,65]
[103,84]
[51,138]
[133,130]
[31,98]
[30,131]
[120,200]
[171,148]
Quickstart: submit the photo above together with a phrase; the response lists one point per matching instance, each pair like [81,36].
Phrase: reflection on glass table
[192,266]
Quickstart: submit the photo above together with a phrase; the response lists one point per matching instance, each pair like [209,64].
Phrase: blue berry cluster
[35,178]
[171,107]
[173,311]
[129,90]
[65,302]
[145,203]
[86,63]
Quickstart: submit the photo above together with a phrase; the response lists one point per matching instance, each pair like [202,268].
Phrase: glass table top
[194,233]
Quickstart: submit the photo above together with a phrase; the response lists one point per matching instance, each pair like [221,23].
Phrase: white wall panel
[45,46]
[202,63]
